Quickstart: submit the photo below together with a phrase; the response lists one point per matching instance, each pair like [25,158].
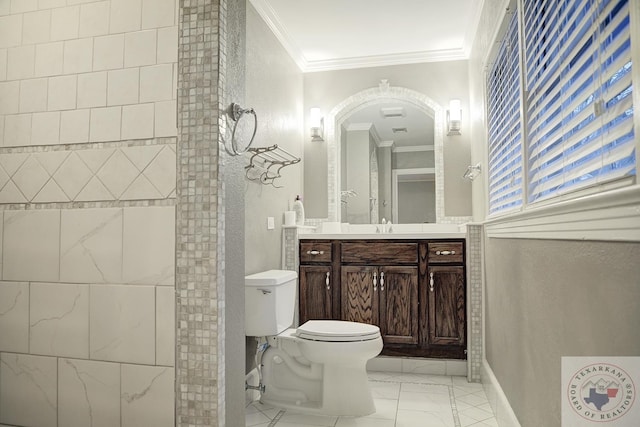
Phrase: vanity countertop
[381,236]
[336,231]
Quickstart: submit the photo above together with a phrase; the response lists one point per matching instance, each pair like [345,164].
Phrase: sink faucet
[384,227]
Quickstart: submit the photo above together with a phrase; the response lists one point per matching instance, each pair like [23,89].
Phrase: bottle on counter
[298,208]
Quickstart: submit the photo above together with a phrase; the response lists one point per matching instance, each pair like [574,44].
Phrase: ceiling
[343,34]
[389,120]
[340,34]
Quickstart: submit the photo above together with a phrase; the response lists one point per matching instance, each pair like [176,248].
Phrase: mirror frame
[366,98]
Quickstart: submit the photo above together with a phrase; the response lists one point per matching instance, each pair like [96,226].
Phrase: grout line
[454,407]
[276,419]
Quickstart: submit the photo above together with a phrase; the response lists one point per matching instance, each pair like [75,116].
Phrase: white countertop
[381,236]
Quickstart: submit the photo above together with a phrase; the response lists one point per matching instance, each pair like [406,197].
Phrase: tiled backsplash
[87,211]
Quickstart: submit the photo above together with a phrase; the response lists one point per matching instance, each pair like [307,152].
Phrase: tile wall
[87,212]
[200,219]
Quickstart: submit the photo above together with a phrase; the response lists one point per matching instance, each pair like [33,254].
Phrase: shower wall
[87,212]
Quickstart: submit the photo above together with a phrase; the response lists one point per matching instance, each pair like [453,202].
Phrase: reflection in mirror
[385,158]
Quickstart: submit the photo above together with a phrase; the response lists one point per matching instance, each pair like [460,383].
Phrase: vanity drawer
[379,253]
[315,252]
[445,252]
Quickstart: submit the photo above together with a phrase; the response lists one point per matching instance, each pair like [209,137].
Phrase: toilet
[318,368]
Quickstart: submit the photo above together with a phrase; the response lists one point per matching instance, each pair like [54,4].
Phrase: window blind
[504,125]
[579,95]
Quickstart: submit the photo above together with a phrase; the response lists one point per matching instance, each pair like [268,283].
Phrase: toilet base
[297,384]
[351,399]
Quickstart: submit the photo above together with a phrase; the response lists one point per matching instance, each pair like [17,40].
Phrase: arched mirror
[384,153]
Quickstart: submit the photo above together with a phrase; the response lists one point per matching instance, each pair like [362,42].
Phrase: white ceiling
[420,127]
[340,34]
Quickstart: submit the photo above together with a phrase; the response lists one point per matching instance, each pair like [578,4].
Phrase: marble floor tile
[402,400]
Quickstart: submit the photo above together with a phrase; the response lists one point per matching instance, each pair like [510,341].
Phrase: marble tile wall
[87,212]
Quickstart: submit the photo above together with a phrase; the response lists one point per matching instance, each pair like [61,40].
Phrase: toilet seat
[337,331]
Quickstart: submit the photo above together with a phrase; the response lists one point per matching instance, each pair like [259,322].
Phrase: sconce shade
[317,124]
[454,117]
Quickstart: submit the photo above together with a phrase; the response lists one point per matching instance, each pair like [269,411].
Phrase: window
[579,103]
[505,134]
[578,107]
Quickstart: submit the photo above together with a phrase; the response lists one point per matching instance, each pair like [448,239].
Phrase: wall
[384,183]
[548,299]
[440,81]
[545,299]
[415,202]
[416,159]
[87,208]
[233,248]
[358,176]
[274,90]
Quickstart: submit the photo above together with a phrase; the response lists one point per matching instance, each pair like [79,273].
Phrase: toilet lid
[337,330]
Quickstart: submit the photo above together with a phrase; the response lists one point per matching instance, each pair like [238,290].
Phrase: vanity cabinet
[386,296]
[316,294]
[445,276]
[319,286]
[414,290]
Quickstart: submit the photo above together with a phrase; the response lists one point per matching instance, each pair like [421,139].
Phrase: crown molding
[385,60]
[359,126]
[368,127]
[413,149]
[270,17]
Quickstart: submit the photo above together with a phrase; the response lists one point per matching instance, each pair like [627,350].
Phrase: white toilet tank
[270,299]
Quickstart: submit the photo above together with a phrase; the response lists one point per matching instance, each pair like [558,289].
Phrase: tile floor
[402,400]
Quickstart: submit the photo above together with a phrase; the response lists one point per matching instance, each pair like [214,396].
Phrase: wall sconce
[454,117]
[317,125]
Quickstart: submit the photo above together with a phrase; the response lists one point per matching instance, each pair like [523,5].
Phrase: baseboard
[418,365]
[253,379]
[497,399]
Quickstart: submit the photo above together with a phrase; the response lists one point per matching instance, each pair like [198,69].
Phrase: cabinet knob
[382,281]
[314,252]
[445,252]
[431,281]
[327,282]
[375,281]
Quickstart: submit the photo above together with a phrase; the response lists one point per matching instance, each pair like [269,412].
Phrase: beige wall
[548,299]
[440,81]
[87,216]
[274,90]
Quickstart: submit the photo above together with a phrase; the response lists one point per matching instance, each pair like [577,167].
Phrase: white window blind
[579,95]
[504,124]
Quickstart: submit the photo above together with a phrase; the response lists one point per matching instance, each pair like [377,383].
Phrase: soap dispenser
[298,208]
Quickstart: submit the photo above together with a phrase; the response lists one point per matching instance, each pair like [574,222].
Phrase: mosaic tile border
[199,218]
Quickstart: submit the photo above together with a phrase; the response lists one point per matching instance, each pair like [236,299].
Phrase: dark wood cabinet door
[360,290]
[316,293]
[398,289]
[446,305]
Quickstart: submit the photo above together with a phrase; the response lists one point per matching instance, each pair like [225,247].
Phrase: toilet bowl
[317,368]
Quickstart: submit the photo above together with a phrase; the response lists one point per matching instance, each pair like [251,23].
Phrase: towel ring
[236,113]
